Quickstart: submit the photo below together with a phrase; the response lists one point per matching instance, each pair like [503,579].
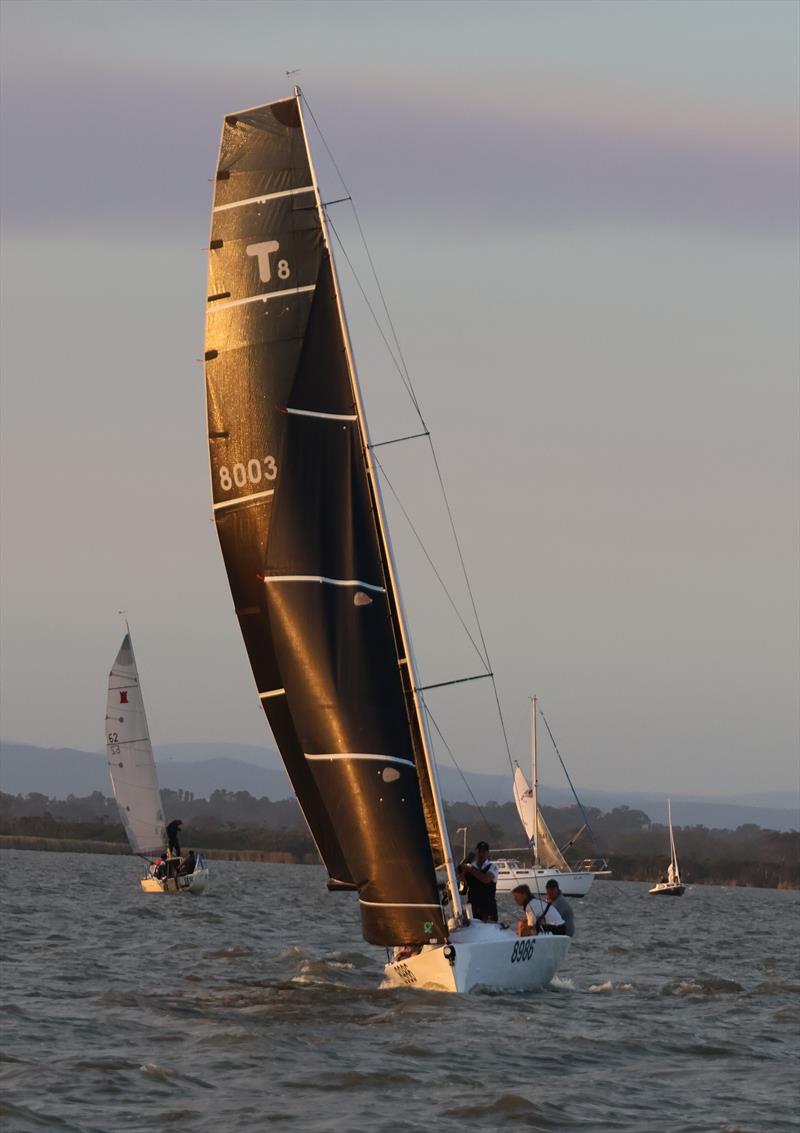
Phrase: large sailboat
[301,523]
[671,885]
[547,861]
[134,780]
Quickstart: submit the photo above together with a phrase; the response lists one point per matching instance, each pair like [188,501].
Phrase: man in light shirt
[539,915]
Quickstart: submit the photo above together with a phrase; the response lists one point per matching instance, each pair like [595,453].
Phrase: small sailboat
[548,862]
[300,519]
[671,885]
[134,781]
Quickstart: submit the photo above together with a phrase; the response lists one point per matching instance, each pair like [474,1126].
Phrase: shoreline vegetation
[757,876]
[238,827]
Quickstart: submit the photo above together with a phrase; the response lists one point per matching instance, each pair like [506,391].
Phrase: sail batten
[263,198]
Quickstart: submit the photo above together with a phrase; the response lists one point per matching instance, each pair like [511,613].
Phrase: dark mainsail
[300,530]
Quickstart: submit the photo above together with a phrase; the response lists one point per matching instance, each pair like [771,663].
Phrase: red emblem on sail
[123,698]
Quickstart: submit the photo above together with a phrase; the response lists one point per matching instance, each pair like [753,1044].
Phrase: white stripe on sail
[359,755]
[275,692]
[400,904]
[263,296]
[266,197]
[321,578]
[241,499]
[328,416]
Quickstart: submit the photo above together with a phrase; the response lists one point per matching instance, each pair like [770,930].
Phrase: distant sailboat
[300,519]
[134,781]
[671,886]
[548,861]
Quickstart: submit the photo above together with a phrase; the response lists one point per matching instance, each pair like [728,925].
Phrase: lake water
[256,1007]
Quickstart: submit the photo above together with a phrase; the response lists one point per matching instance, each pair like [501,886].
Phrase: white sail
[523,797]
[548,853]
[532,819]
[674,873]
[130,756]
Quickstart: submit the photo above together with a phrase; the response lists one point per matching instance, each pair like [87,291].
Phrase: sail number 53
[253,472]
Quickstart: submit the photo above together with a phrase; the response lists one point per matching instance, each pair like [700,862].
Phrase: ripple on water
[506,1109]
[705,988]
[165,999]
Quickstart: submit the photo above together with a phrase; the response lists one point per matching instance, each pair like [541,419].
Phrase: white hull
[482,956]
[184,883]
[668,889]
[570,884]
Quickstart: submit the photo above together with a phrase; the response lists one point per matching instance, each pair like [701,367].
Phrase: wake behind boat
[301,523]
[132,768]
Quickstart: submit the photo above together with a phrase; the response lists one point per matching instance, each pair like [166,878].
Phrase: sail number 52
[253,472]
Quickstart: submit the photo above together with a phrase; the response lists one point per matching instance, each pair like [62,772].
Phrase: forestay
[130,756]
[298,522]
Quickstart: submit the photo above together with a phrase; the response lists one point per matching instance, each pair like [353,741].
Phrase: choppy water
[256,1007]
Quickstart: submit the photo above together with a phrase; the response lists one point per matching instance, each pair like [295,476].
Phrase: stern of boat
[480,955]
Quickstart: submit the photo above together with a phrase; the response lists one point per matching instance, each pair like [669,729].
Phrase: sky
[584,217]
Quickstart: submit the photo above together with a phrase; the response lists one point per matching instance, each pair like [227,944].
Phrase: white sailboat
[671,885]
[132,769]
[548,861]
[301,523]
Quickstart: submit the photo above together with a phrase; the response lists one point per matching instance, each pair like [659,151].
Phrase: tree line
[635,847]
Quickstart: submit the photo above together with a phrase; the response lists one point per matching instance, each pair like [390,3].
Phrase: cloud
[108,148]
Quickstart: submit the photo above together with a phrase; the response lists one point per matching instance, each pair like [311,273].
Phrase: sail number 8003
[253,472]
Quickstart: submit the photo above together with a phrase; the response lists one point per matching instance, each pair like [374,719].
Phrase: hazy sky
[585,219]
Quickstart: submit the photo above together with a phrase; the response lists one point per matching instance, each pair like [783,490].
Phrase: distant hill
[204,768]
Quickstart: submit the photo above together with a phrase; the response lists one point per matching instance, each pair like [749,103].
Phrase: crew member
[557,900]
[539,915]
[481,881]
[173,831]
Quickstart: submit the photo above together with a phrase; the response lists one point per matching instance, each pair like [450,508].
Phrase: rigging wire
[439,732]
[403,370]
[572,788]
[484,660]
[376,320]
[410,387]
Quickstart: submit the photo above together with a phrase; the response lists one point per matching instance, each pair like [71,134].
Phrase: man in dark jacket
[173,831]
[480,877]
[557,899]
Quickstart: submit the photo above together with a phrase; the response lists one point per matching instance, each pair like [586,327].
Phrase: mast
[534,783]
[386,551]
[672,852]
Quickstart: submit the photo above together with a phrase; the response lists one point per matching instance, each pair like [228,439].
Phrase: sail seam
[263,296]
[328,416]
[266,197]
[322,578]
[359,755]
[241,499]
